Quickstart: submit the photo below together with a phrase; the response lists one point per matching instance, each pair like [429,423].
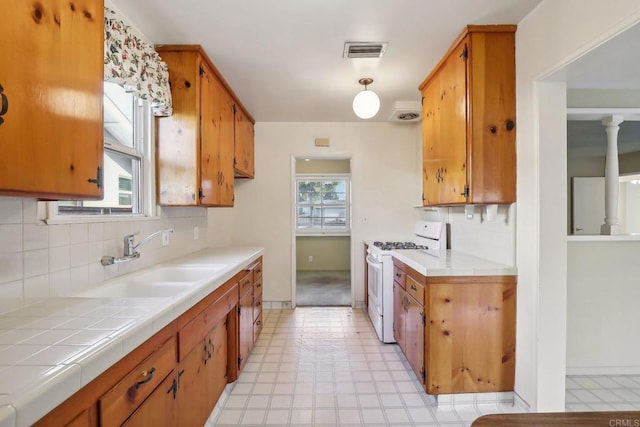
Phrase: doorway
[322,223]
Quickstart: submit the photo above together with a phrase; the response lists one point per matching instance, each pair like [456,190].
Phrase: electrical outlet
[196,232]
[310,258]
[165,239]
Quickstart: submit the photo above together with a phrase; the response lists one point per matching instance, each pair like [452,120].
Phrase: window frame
[347,204]
[144,150]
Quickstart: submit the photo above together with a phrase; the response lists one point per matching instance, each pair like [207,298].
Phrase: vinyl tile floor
[324,366]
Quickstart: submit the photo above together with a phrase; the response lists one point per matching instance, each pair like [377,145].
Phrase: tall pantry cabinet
[468,120]
[51,70]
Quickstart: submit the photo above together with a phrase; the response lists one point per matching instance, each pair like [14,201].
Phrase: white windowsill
[43,215]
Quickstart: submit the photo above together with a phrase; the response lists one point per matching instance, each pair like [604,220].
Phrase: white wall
[602,311]
[39,261]
[555,33]
[384,189]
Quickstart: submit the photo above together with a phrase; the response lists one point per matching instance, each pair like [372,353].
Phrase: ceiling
[283,58]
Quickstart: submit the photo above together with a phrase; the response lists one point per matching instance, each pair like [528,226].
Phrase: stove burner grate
[388,246]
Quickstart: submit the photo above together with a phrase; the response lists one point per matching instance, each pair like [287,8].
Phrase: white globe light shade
[366,104]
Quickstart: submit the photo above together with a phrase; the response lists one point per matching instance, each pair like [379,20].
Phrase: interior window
[125,118]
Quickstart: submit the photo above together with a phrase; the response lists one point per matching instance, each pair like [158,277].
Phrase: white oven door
[374,270]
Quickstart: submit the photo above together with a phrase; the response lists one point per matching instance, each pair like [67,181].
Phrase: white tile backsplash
[35,236]
[59,235]
[36,262]
[79,233]
[10,267]
[10,210]
[11,238]
[41,261]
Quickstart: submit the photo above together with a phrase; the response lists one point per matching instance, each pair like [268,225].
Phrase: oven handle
[374,264]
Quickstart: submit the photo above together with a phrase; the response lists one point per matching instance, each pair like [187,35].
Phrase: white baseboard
[603,370]
[277,305]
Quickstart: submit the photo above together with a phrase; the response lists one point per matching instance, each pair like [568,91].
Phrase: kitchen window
[128,166]
[323,204]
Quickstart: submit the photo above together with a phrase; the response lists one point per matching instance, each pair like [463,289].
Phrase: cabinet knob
[510,125]
[493,129]
[4,106]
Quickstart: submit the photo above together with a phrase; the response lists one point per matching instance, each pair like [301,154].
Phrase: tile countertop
[51,349]
[452,263]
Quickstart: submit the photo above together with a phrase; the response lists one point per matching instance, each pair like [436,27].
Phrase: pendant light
[366,103]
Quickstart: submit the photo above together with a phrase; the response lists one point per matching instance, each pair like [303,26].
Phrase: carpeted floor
[323,288]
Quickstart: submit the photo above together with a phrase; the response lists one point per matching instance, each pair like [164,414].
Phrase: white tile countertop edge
[451,263]
[30,386]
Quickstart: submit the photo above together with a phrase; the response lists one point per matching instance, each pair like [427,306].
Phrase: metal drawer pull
[413,287]
[148,377]
[4,105]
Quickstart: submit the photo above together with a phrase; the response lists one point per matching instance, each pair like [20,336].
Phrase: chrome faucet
[131,249]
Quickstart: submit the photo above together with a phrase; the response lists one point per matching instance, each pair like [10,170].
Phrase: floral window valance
[133,63]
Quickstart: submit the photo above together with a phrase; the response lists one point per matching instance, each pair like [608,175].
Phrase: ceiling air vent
[364,49]
[405,111]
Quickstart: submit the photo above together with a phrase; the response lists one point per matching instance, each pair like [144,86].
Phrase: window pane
[120,171]
[118,115]
[322,204]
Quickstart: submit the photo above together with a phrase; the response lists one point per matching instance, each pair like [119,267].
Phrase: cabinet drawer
[257,308]
[257,327]
[415,289]
[125,397]
[399,276]
[194,331]
[246,283]
[257,271]
[257,288]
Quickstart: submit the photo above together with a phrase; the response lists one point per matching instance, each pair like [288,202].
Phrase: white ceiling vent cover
[364,49]
[406,111]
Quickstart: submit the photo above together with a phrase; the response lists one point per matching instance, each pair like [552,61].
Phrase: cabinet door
[492,177]
[244,145]
[202,376]
[453,127]
[226,148]
[414,336]
[432,161]
[159,409]
[398,314]
[210,126]
[246,328]
[178,136]
[51,71]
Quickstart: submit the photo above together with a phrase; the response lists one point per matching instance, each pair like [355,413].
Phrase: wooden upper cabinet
[196,146]
[51,71]
[244,145]
[468,134]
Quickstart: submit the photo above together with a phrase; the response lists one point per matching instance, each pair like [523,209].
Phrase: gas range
[430,237]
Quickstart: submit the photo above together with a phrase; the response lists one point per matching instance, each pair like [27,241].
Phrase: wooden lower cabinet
[87,418]
[250,311]
[175,377]
[202,376]
[408,315]
[457,332]
[159,409]
[471,334]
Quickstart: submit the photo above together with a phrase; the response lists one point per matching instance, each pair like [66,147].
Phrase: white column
[611,176]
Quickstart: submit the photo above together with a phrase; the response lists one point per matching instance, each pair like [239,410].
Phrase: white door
[587,204]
